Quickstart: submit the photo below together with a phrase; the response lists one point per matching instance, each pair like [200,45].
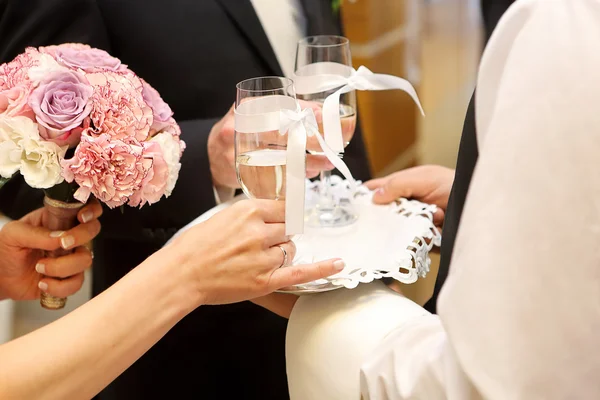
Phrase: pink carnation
[119,109]
[14,73]
[113,170]
[155,184]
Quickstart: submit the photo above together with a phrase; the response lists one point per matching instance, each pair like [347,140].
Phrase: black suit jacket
[193,52]
[492,11]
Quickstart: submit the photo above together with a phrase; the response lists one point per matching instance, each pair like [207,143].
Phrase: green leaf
[4,180]
[335,5]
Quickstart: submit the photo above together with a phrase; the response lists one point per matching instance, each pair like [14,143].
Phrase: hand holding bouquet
[76,122]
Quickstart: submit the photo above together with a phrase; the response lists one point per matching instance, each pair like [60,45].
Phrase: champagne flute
[311,52]
[260,152]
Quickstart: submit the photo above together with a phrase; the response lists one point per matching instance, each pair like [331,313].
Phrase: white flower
[22,149]
[46,66]
[171,149]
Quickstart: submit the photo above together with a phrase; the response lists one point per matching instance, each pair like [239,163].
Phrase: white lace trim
[406,258]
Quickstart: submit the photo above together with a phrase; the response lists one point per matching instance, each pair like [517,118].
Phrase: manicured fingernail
[56,234]
[40,268]
[67,241]
[43,286]
[339,265]
[87,216]
[379,192]
[92,254]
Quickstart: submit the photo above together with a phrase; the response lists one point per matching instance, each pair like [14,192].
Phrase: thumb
[21,234]
[376,183]
[398,185]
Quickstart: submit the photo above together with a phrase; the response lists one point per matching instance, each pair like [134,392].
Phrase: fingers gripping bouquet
[76,122]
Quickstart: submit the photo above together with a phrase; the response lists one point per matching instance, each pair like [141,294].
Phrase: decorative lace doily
[387,241]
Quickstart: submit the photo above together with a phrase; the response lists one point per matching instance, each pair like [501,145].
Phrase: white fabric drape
[520,312]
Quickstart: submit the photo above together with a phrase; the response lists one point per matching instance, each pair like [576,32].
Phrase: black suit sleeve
[355,156]
[36,23]
[26,23]
[195,178]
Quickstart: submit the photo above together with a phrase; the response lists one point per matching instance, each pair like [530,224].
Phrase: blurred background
[436,44]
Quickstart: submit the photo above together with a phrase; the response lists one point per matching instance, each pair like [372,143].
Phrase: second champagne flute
[318,55]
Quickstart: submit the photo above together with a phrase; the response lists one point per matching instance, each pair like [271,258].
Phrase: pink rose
[69,138]
[87,59]
[112,170]
[14,73]
[61,103]
[161,111]
[51,50]
[118,106]
[155,183]
[13,102]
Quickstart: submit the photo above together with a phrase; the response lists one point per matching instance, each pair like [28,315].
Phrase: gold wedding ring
[285,257]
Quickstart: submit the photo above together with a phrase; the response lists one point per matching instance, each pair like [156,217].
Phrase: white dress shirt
[284,23]
[519,316]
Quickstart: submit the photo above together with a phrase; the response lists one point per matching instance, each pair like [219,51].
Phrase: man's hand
[430,184]
[221,154]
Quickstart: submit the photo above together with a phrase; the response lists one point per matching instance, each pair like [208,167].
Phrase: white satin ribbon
[283,114]
[326,76]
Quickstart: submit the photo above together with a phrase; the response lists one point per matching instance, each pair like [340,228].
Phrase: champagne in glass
[260,154]
[261,173]
[313,53]
[348,121]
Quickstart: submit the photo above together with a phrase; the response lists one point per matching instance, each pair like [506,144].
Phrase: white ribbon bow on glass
[299,125]
[327,76]
[283,114]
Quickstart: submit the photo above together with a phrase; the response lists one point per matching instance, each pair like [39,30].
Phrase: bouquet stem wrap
[60,216]
[327,76]
[283,114]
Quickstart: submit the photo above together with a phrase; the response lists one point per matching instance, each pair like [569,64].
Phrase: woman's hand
[429,184]
[25,273]
[236,254]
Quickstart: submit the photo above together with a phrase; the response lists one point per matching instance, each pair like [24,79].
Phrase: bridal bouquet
[76,122]
[124,142]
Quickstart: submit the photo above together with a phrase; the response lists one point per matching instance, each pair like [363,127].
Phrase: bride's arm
[76,356]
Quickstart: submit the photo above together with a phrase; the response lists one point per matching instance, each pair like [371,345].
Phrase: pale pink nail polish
[67,241]
[87,216]
[40,268]
[339,265]
[56,234]
[43,286]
